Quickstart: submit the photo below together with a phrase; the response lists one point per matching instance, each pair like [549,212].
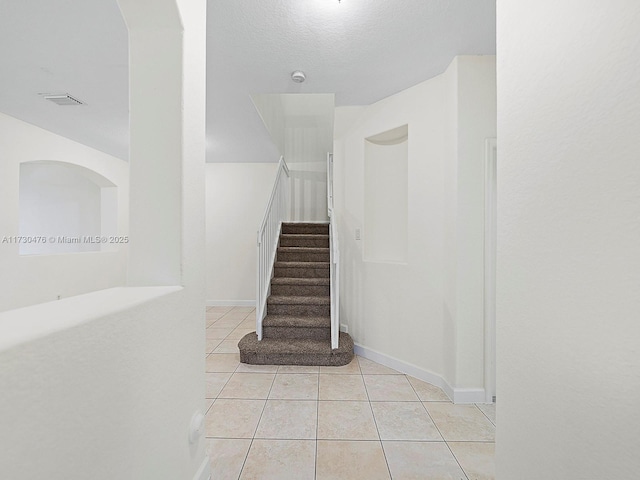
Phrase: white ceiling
[361,50]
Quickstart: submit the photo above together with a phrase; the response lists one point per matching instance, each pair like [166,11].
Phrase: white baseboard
[231,303]
[457,395]
[344,328]
[204,472]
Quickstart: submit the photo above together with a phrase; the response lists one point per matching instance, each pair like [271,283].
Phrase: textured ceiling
[361,50]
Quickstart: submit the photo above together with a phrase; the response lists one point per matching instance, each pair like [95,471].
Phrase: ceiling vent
[61,98]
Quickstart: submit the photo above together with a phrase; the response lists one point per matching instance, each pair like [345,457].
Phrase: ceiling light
[298,76]
[61,99]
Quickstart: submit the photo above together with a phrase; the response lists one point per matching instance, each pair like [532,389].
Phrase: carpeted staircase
[297,328]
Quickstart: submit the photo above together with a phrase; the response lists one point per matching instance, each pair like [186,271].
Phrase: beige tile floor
[360,421]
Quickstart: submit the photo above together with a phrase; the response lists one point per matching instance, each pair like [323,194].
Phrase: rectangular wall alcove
[386,196]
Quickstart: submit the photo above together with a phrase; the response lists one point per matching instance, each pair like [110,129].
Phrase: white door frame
[490,234]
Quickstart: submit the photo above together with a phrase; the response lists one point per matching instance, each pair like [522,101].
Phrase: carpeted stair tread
[302,264]
[296,321]
[305,224]
[309,228]
[303,249]
[276,351]
[290,300]
[300,281]
[305,235]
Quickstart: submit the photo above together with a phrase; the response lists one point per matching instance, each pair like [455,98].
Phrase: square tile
[226,322]
[421,460]
[249,323]
[248,385]
[404,421]
[238,333]
[346,420]
[427,392]
[210,321]
[214,383]
[229,418]
[244,310]
[342,387]
[340,460]
[476,459]
[461,422]
[219,309]
[211,344]
[389,388]
[280,460]
[352,368]
[222,362]
[295,386]
[298,369]
[227,346]
[227,456]
[248,368]
[214,332]
[369,367]
[489,409]
[289,419]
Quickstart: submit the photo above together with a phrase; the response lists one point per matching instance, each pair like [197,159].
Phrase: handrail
[334,258]
[277,211]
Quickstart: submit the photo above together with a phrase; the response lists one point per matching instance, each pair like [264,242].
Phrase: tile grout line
[257,425]
[384,454]
[491,421]
[438,429]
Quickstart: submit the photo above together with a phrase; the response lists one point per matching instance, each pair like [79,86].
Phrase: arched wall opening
[66,208]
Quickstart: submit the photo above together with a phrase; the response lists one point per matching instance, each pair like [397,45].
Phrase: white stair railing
[334,258]
[268,235]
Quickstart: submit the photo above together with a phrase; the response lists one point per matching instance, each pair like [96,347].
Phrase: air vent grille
[61,99]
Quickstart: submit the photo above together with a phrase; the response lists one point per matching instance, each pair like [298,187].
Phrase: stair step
[304,240]
[296,321]
[308,287]
[294,290]
[296,327]
[303,254]
[300,281]
[306,227]
[302,265]
[302,269]
[286,351]
[295,300]
[299,305]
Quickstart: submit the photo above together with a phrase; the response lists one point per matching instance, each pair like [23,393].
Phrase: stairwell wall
[237,194]
[425,313]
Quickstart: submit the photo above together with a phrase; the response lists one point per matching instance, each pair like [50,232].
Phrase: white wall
[568,276]
[237,195]
[476,114]
[104,385]
[424,313]
[27,280]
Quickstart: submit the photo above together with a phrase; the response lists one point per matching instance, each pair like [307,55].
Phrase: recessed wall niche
[65,208]
[386,196]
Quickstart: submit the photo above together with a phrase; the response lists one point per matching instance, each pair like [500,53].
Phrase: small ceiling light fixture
[61,99]
[298,76]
